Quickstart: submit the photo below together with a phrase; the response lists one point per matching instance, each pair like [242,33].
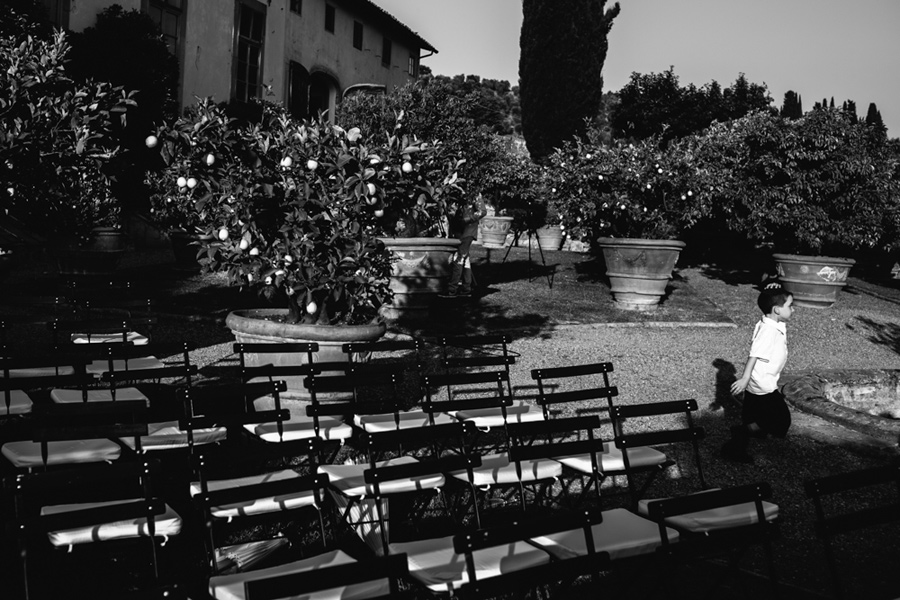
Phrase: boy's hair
[769,298]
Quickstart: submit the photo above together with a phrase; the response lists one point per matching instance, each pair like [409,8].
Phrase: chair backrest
[518,581]
[25,376]
[393,568]
[467,391]
[402,359]
[91,420]
[574,383]
[840,509]
[444,449]
[270,482]
[229,405]
[177,372]
[659,432]
[128,484]
[477,352]
[283,360]
[555,438]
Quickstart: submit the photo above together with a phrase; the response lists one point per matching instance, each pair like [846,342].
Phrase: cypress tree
[790,108]
[873,119]
[563,47]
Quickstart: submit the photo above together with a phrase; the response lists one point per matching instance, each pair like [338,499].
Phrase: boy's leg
[456,271]
[774,415]
[465,289]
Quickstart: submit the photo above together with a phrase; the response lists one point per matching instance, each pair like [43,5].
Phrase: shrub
[624,190]
[823,183]
[295,208]
[56,144]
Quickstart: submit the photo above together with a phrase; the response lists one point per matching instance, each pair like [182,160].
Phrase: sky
[848,50]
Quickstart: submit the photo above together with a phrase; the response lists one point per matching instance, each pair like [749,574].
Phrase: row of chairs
[522,439]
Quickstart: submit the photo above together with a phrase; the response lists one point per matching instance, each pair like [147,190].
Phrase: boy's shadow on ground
[726,374]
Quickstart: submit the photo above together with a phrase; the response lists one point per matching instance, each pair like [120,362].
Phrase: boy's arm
[741,384]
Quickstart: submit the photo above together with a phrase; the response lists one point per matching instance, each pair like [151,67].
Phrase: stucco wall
[333,53]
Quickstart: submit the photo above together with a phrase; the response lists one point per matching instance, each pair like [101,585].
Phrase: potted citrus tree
[818,189]
[296,209]
[634,200]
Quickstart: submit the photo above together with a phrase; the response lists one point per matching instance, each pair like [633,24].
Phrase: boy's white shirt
[769,347]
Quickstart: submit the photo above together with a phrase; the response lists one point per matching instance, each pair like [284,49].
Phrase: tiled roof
[366,6]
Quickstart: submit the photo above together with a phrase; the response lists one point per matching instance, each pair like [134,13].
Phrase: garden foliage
[56,142]
[296,208]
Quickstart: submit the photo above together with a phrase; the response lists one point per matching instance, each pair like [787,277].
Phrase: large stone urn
[639,270]
[494,229]
[814,281]
[420,268]
[266,325]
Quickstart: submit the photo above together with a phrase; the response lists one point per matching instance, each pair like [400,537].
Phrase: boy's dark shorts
[769,411]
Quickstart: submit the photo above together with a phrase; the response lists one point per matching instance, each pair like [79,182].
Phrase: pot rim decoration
[253,321]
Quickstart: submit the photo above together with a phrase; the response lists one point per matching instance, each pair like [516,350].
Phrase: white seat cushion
[166,435]
[622,533]
[348,479]
[167,524]
[408,419]
[61,396]
[258,505]
[101,365]
[497,469]
[519,412]
[19,403]
[302,428]
[134,337]
[26,454]
[231,587]
[435,564]
[41,371]
[726,517]
[611,459]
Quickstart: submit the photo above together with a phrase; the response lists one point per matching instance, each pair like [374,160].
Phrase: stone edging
[806,392]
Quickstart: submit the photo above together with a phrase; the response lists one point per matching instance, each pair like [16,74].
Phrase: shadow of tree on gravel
[884,333]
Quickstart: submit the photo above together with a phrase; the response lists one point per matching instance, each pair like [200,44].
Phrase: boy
[764,410]
[464,225]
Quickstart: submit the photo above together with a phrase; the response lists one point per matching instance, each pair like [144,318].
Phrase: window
[167,14]
[413,68]
[329,18]
[357,35]
[250,32]
[297,6]
[386,53]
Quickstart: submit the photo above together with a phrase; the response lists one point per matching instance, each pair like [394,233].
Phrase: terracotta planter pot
[106,239]
[420,269]
[494,230]
[185,247]
[550,237]
[264,326]
[639,270]
[814,281]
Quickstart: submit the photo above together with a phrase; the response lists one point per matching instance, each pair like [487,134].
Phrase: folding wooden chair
[24,378]
[399,366]
[241,486]
[67,434]
[563,440]
[587,387]
[292,363]
[487,412]
[475,353]
[376,578]
[508,579]
[718,522]
[649,426]
[398,462]
[103,505]
[832,496]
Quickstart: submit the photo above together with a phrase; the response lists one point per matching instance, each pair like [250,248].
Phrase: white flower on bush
[354,134]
